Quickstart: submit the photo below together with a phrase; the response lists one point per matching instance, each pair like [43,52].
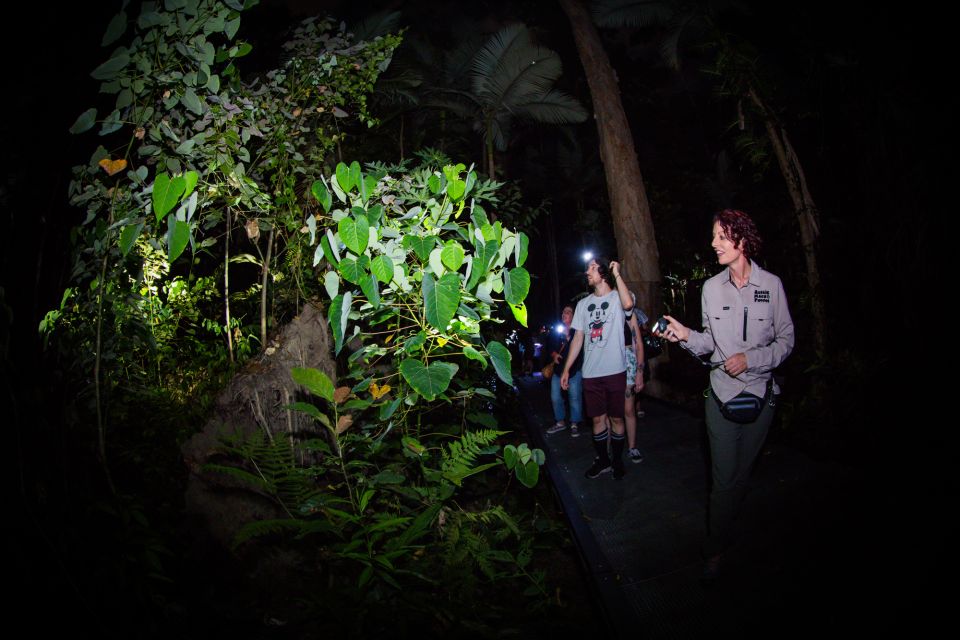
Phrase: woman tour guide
[747,330]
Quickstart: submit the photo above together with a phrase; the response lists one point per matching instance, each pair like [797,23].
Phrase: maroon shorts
[605,395]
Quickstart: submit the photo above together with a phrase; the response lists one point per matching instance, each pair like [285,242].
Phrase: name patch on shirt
[761,296]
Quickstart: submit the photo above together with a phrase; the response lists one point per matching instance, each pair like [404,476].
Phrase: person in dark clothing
[557,348]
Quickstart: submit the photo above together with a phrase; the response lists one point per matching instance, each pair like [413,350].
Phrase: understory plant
[397,490]
[189,249]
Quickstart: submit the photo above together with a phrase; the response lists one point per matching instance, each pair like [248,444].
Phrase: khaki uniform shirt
[754,320]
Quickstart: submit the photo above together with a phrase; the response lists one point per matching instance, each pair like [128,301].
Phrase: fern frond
[460,456]
[253,480]
[262,528]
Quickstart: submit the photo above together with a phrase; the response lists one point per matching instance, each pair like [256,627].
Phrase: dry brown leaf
[113,167]
[344,423]
[253,229]
[341,394]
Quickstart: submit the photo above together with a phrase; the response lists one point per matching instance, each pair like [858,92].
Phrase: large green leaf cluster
[416,261]
[189,143]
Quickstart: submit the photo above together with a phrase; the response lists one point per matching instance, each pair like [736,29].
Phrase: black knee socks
[600,445]
[616,443]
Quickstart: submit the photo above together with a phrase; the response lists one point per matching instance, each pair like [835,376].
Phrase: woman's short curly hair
[739,226]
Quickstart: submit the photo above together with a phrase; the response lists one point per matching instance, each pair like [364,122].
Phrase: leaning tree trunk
[629,208]
[807,217]
[258,398]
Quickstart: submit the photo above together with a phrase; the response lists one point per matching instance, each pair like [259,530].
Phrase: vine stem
[98,357]
[226,282]
[263,291]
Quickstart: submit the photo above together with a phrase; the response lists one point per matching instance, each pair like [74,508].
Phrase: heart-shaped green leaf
[441,299]
[473,354]
[109,69]
[415,342]
[331,282]
[85,121]
[538,456]
[436,264]
[452,255]
[382,268]
[482,257]
[351,270]
[471,180]
[520,313]
[322,194]
[129,236]
[456,189]
[500,356]
[435,183]
[191,101]
[190,179]
[177,238]
[371,290]
[367,186]
[356,176]
[338,315]
[374,214]
[327,251]
[528,473]
[516,285]
[510,456]
[428,380]
[355,233]
[316,382]
[523,242]
[422,246]
[166,194]
[344,180]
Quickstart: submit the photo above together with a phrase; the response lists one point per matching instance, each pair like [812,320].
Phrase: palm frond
[554,107]
[486,60]
[631,13]
[377,24]
[511,66]
[400,87]
[459,102]
[455,70]
[530,72]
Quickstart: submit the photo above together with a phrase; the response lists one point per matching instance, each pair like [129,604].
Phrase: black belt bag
[745,407]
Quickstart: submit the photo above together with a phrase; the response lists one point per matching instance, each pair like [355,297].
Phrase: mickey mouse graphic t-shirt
[601,321]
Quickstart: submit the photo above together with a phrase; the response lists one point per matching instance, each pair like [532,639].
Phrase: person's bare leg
[630,417]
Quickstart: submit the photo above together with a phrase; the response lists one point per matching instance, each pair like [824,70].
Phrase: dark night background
[867,95]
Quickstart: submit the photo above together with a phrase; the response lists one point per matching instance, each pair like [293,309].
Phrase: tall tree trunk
[807,216]
[491,167]
[629,208]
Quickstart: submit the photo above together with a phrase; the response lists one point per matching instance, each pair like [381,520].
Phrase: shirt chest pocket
[722,320]
[760,325]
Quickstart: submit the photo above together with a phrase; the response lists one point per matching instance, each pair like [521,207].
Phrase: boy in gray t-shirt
[601,319]
[598,320]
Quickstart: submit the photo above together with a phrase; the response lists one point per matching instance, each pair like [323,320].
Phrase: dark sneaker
[635,455]
[574,430]
[618,470]
[557,428]
[599,467]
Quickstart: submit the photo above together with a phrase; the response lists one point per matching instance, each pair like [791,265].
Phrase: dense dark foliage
[862,90]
